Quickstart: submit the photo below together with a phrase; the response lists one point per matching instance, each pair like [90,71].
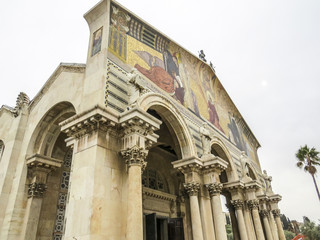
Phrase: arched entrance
[163,206]
[49,155]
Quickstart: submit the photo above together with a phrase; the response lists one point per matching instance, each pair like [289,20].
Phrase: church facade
[141,142]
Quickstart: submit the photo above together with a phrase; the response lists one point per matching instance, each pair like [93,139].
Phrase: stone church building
[139,143]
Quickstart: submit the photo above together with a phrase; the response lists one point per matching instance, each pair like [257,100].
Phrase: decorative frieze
[276,213]
[36,189]
[237,203]
[192,188]
[135,156]
[253,204]
[214,188]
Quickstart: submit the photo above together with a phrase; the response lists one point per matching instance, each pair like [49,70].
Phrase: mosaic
[187,79]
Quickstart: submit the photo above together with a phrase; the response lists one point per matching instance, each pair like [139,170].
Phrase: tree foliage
[289,235]
[309,159]
[310,230]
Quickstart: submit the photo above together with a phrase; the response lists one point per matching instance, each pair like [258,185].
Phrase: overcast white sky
[266,54]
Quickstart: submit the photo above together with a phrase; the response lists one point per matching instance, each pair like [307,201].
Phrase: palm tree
[309,159]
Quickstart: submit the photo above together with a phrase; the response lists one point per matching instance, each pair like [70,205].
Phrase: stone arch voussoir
[231,167]
[172,115]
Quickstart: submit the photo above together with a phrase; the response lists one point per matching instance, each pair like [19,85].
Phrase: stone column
[238,204]
[192,189]
[135,160]
[38,168]
[206,214]
[138,134]
[264,215]
[276,214]
[249,224]
[273,227]
[254,205]
[218,218]
[235,229]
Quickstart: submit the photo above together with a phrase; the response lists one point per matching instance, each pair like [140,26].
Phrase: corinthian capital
[135,156]
[36,189]
[214,188]
[264,213]
[253,204]
[192,188]
[238,203]
[276,213]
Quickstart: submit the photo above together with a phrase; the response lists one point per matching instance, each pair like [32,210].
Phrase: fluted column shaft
[192,190]
[238,204]
[276,214]
[218,218]
[135,162]
[254,205]
[264,214]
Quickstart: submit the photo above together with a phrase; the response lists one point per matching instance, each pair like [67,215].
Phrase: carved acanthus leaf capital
[237,203]
[135,156]
[276,212]
[36,189]
[264,213]
[253,204]
[214,188]
[192,188]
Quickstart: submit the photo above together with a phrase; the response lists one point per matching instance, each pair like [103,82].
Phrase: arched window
[153,179]
[1,149]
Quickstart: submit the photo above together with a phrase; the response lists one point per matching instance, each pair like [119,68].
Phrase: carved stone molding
[276,213]
[253,204]
[264,213]
[36,190]
[238,203]
[275,198]
[148,192]
[135,156]
[88,125]
[137,127]
[192,188]
[214,188]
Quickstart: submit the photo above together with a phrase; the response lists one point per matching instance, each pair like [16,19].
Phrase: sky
[266,54]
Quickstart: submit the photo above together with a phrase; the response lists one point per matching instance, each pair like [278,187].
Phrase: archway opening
[49,142]
[162,184]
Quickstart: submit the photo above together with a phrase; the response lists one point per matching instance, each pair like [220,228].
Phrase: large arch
[218,148]
[173,119]
[47,130]
[48,142]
